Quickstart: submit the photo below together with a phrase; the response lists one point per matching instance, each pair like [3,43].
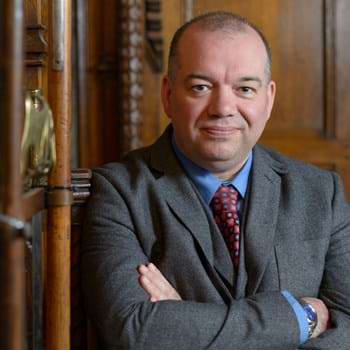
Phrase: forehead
[222,51]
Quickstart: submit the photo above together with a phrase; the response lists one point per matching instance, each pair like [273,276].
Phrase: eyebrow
[198,76]
[256,79]
[207,78]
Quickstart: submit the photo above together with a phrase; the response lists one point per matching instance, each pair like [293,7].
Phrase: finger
[143,269]
[152,267]
[151,272]
[152,281]
[156,276]
[149,287]
[164,290]
[156,285]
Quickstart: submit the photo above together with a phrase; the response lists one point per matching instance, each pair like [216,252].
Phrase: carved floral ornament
[132,53]
[141,31]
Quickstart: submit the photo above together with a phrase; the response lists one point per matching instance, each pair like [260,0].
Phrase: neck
[225,172]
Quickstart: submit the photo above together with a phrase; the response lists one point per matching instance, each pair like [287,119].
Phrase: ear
[166,92]
[271,93]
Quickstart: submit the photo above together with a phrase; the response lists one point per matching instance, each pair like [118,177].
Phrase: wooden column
[12,288]
[57,291]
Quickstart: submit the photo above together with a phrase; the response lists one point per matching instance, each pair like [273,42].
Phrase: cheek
[256,113]
[190,112]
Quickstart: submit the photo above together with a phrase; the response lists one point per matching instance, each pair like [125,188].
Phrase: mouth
[218,131]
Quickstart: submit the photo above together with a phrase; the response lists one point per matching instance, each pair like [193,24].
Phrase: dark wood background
[311,66]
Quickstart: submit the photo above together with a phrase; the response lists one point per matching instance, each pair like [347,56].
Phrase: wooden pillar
[57,290]
[12,285]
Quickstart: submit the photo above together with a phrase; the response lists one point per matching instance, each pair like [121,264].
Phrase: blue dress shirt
[207,184]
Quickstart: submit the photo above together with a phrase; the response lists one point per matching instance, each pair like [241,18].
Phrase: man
[271,272]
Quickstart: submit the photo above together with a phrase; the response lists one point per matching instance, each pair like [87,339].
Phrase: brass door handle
[38,141]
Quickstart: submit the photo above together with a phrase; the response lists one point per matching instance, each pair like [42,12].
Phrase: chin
[218,156]
[221,151]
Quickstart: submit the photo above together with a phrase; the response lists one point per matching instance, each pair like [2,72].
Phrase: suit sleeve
[335,287]
[126,319]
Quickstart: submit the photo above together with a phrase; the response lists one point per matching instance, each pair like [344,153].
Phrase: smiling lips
[217,131]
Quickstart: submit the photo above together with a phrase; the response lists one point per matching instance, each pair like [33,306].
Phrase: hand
[323,318]
[155,284]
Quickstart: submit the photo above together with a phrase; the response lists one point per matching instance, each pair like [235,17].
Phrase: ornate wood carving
[153,34]
[35,45]
[132,54]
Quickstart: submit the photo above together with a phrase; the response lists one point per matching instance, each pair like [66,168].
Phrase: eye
[246,91]
[200,88]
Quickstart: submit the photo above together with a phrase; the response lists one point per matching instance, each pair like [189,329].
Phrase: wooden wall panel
[297,46]
[151,107]
[311,64]
[112,126]
[91,145]
[174,14]
[342,93]
[342,60]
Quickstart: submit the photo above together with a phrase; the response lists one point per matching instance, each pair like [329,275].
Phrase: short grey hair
[216,21]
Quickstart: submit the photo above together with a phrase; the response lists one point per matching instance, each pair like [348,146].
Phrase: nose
[223,103]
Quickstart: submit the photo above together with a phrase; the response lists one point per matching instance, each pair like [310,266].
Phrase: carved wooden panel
[152,69]
[36,47]
[153,34]
[132,65]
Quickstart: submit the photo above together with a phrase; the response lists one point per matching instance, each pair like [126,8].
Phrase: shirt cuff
[301,315]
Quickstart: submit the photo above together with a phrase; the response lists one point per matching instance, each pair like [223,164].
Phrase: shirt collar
[206,182]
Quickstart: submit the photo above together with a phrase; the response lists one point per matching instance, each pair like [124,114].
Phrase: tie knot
[228,192]
[225,200]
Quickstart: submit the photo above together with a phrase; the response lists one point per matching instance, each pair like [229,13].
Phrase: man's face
[220,98]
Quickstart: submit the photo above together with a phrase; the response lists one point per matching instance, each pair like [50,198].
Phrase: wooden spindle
[57,290]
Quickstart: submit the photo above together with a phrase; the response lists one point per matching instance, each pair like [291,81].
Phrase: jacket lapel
[262,214]
[186,205]
[179,194]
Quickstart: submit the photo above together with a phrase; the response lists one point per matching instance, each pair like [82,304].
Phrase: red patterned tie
[224,206]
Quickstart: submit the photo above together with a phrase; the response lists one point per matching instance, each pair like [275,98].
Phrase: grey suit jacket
[296,237]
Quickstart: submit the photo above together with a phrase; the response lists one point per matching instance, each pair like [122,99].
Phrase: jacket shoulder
[134,164]
[293,166]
